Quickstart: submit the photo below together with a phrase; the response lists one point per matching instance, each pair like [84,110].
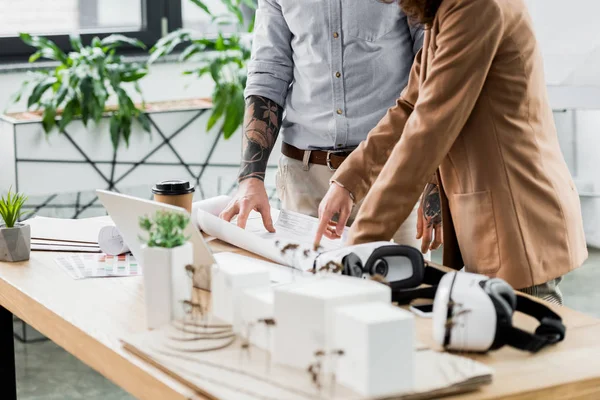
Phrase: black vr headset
[471,312]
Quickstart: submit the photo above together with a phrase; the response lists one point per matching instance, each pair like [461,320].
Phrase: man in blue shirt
[323,73]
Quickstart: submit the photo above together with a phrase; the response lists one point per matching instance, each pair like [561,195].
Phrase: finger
[426,241]
[265,212]
[244,213]
[437,242]
[229,212]
[332,230]
[420,222]
[324,218]
[344,214]
[330,234]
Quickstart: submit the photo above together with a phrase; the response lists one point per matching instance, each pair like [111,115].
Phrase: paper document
[70,230]
[289,245]
[63,248]
[82,266]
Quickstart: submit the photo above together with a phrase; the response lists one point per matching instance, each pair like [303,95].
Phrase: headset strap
[550,331]
[431,276]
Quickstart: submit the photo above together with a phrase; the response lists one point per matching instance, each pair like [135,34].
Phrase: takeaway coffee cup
[175,192]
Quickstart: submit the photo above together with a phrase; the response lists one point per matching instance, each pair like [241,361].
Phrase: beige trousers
[301,187]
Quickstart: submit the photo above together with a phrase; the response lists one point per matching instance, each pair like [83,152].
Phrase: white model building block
[257,304]
[378,341]
[304,315]
[231,276]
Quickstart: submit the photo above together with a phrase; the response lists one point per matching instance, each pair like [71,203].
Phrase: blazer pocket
[475,225]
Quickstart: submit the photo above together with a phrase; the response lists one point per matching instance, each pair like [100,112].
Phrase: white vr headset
[471,312]
[402,267]
[474,313]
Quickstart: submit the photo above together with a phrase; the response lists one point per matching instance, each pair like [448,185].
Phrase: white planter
[166,283]
[83,159]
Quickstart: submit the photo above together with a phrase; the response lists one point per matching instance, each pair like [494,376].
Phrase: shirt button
[336,35]
[337,74]
[339,111]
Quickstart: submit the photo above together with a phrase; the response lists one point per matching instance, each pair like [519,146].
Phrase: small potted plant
[15,238]
[165,254]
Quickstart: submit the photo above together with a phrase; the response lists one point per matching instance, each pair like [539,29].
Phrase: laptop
[126,211]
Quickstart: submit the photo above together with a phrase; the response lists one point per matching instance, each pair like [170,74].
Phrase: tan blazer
[476,111]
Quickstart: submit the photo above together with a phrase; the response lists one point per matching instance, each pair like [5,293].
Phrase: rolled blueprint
[111,241]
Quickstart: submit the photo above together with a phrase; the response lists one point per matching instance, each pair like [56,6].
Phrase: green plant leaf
[126,127]
[144,120]
[40,89]
[35,56]
[133,75]
[118,39]
[234,115]
[10,207]
[252,23]
[49,118]
[250,3]
[115,128]
[88,102]
[67,115]
[203,6]
[220,43]
[235,10]
[47,47]
[220,100]
[190,51]
[75,40]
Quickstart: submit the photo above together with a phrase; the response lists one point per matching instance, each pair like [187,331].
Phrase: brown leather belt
[332,159]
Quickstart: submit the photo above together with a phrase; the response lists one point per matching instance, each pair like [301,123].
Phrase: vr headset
[402,267]
[471,312]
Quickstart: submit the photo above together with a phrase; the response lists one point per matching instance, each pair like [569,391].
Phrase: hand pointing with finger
[338,202]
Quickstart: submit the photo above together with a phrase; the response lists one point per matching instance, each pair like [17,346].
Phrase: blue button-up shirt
[335,65]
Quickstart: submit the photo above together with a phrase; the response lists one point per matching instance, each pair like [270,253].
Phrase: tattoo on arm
[432,209]
[261,128]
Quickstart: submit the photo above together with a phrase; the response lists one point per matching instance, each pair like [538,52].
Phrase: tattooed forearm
[261,127]
[432,210]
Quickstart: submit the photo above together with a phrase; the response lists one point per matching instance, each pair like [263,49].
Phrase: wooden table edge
[139,382]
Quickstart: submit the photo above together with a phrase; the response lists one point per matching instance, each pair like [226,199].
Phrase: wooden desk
[88,317]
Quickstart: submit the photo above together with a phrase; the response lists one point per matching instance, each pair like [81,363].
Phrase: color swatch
[83,266]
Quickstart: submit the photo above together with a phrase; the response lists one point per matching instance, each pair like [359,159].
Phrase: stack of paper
[67,235]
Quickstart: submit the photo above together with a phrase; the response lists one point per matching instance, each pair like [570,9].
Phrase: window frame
[155,15]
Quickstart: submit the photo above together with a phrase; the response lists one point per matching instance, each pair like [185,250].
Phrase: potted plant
[103,143]
[15,238]
[224,58]
[166,253]
[82,83]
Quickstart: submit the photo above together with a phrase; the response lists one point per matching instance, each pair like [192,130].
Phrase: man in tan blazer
[475,113]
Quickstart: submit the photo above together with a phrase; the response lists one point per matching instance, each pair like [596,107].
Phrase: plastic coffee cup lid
[173,187]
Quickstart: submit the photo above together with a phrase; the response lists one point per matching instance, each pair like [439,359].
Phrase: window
[142,19]
[65,16]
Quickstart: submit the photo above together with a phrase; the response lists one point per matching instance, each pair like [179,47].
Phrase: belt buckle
[328,159]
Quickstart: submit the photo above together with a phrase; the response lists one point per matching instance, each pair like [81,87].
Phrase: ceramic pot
[15,243]
[166,283]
